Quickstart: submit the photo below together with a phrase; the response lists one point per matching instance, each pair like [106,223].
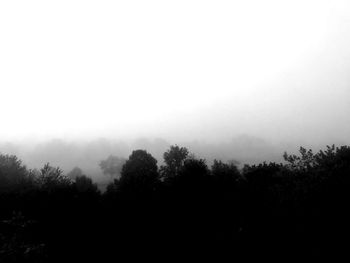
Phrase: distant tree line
[182,209]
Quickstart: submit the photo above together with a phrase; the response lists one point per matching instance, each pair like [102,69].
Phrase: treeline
[181,209]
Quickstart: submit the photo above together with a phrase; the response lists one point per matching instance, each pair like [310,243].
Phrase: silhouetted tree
[84,184]
[174,160]
[225,173]
[13,174]
[265,180]
[304,162]
[139,173]
[193,176]
[294,208]
[52,178]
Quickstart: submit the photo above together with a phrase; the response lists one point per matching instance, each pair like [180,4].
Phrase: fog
[240,80]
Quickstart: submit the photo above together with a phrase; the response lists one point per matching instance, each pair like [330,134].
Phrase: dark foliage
[293,210]
[174,160]
[139,174]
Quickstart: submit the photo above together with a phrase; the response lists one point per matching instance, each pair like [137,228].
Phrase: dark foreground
[181,210]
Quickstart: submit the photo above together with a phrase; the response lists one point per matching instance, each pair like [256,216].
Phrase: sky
[175,69]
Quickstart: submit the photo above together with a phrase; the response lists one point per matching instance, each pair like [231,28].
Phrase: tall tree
[13,174]
[51,178]
[139,173]
[174,159]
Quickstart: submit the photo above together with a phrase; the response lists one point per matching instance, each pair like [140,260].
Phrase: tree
[84,184]
[13,174]
[139,173]
[304,162]
[51,178]
[112,166]
[225,174]
[174,160]
[193,176]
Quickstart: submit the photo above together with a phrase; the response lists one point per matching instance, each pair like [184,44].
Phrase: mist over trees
[183,131]
[88,155]
[180,207]
[112,166]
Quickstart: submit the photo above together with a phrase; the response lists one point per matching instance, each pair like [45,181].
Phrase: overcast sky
[187,69]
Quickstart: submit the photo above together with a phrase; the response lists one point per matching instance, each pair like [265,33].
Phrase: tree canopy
[174,159]
[139,173]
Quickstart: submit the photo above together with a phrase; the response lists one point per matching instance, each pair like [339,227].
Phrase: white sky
[196,69]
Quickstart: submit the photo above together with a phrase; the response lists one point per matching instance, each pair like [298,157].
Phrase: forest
[181,209]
